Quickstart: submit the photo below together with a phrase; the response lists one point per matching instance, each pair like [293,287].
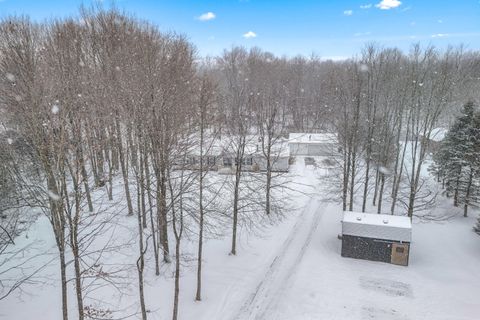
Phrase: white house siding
[256,163]
[312,149]
[278,163]
[298,149]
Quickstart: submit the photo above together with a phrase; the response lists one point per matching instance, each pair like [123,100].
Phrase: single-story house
[376,237]
[313,144]
[255,160]
[219,154]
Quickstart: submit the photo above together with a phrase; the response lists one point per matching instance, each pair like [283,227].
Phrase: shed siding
[368,248]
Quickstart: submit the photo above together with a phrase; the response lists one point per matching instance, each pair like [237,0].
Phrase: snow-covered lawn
[292,270]
[439,283]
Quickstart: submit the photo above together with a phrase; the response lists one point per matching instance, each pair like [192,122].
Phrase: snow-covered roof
[217,146]
[438,134]
[302,137]
[377,226]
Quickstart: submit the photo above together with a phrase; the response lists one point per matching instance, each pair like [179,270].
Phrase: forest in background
[83,101]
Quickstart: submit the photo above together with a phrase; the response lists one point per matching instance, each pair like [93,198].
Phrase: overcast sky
[330,29]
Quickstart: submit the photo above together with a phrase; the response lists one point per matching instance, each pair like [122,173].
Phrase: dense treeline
[457,162]
[390,104]
[86,101]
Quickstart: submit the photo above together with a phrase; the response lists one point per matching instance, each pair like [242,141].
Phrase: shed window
[399,249]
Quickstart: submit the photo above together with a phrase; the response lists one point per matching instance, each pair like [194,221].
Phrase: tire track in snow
[268,291]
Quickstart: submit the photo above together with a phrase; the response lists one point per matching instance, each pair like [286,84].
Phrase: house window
[399,249]
[227,161]
[247,161]
[211,161]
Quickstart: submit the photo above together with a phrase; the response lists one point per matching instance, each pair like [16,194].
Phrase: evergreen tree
[458,159]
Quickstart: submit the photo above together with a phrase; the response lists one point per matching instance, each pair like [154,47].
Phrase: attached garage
[312,144]
[376,237]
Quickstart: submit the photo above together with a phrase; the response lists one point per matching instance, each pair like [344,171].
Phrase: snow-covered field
[292,270]
[439,283]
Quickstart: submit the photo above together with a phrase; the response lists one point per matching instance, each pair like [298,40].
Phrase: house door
[400,254]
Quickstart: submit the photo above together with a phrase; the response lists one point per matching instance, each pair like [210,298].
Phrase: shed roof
[377,226]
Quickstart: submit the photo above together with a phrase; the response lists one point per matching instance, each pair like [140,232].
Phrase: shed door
[400,254]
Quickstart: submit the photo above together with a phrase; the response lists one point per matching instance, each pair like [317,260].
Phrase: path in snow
[266,295]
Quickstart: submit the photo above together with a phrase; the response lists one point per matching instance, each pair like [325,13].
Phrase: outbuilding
[313,144]
[376,237]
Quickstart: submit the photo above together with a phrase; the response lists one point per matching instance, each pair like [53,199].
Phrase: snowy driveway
[263,301]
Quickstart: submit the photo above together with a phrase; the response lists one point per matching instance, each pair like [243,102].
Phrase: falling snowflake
[384,170]
[9,141]
[55,109]
[52,195]
[10,77]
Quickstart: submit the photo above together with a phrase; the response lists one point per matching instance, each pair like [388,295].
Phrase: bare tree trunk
[110,176]
[455,194]
[83,171]
[398,175]
[57,221]
[346,175]
[269,178]
[236,193]
[150,210]
[78,279]
[141,266]
[73,224]
[124,167]
[413,183]
[380,196]
[63,274]
[352,182]
[375,192]
[365,188]
[178,237]
[162,217]
[198,295]
[235,211]
[142,184]
[467,194]
[177,280]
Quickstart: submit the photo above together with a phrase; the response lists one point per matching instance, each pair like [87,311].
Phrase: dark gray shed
[376,237]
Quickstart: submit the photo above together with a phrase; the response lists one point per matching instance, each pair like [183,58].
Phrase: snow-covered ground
[292,270]
[439,283]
